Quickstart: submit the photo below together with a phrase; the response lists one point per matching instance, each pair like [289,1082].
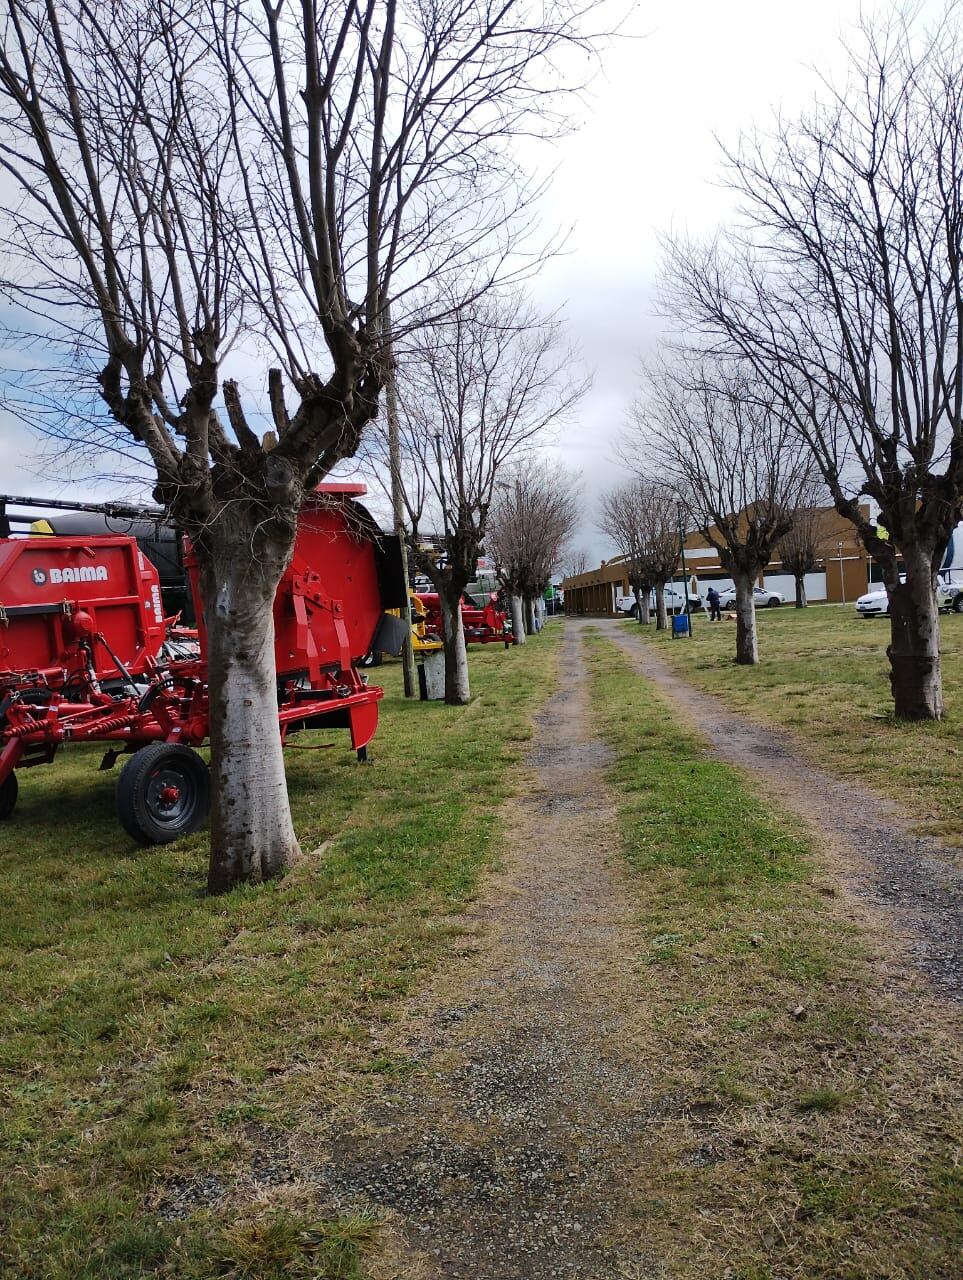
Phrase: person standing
[712,598]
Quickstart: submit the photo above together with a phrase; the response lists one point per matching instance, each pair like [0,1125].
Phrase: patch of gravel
[180,1197]
[509,1154]
[914,880]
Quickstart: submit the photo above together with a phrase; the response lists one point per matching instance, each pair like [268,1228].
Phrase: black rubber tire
[9,790]
[634,612]
[372,659]
[958,603]
[146,815]
[773,603]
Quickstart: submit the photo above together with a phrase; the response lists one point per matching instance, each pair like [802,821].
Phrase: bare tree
[845,294]
[803,548]
[476,391]
[533,516]
[735,462]
[578,562]
[623,520]
[193,175]
[640,518]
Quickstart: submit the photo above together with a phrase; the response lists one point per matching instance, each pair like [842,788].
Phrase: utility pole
[685,579]
[442,494]
[398,514]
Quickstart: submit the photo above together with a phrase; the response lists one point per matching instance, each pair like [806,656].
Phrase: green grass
[157,1046]
[812,1129]
[824,675]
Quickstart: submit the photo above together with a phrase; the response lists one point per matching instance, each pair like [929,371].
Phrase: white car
[875,604]
[674,602]
[762,598]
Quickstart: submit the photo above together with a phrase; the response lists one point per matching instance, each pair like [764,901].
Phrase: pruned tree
[534,514]
[844,292]
[803,548]
[476,391]
[641,519]
[734,460]
[193,176]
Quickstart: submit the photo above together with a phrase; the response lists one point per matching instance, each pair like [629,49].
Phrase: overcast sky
[644,161]
[647,161]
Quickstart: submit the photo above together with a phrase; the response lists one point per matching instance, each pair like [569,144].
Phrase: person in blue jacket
[715,613]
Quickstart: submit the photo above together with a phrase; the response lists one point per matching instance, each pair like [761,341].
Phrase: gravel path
[914,880]
[510,1154]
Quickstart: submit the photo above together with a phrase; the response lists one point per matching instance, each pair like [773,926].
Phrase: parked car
[875,603]
[762,598]
[674,602]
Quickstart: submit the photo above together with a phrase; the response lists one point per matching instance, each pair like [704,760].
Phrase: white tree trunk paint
[641,606]
[457,689]
[252,835]
[747,645]
[518,619]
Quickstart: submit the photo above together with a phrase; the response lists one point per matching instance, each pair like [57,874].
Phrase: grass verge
[824,675]
[805,1126]
[158,1046]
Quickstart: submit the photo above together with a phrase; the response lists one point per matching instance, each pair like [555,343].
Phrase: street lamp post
[408,668]
[842,579]
[685,576]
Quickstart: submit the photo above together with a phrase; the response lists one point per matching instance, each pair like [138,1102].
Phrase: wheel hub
[169,795]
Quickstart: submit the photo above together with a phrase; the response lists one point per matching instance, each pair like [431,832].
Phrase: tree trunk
[800,591]
[914,648]
[530,615]
[252,835]
[641,606]
[661,617]
[518,619]
[747,645]
[457,689]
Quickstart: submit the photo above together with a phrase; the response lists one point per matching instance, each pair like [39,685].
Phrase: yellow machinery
[423,638]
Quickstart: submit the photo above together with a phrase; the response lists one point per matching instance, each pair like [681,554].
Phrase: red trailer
[483,623]
[82,656]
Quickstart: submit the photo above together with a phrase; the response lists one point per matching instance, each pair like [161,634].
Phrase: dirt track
[518,1146]
[915,881]
[512,1158]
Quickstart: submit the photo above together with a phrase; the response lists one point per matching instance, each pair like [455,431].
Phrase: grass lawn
[823,674]
[805,1126]
[156,1045]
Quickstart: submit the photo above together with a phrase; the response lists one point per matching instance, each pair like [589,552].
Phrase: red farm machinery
[89,654]
[484,623]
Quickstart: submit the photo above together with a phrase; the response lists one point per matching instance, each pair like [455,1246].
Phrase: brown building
[844,572]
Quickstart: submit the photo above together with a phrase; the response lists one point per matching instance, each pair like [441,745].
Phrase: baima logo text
[86,573]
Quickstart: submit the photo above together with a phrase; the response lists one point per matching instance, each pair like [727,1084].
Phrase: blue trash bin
[680,624]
